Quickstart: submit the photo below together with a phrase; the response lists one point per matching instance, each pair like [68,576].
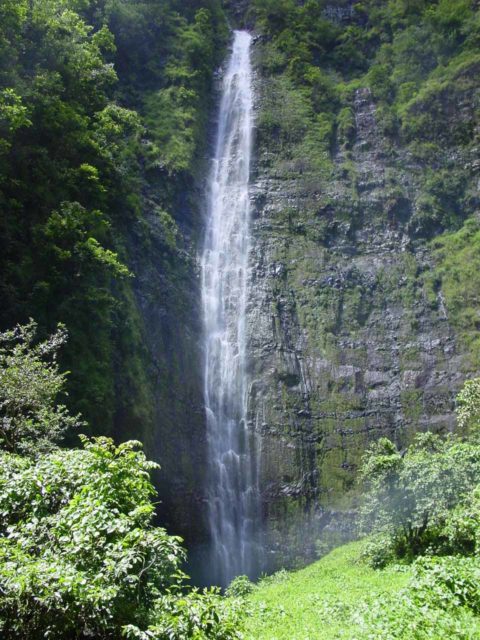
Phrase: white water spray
[232,485]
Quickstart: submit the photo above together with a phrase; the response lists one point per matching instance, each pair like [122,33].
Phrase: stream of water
[233,503]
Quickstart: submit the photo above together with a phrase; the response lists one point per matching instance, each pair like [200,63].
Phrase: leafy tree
[79,555]
[425,499]
[468,406]
[409,496]
[87,152]
[31,418]
[198,615]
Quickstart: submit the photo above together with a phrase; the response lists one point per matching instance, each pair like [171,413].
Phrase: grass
[319,601]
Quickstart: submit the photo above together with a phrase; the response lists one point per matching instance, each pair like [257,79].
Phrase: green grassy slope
[319,601]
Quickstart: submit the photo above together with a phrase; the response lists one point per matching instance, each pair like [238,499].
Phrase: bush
[31,418]
[79,556]
[379,550]
[239,587]
[198,615]
[468,406]
[441,601]
[462,527]
[409,497]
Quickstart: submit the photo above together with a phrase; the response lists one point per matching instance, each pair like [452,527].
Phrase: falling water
[232,484]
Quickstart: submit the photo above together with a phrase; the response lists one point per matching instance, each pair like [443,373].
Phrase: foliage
[240,587]
[100,104]
[177,115]
[409,496]
[461,532]
[468,406]
[457,258]
[321,600]
[32,420]
[79,555]
[441,600]
[198,615]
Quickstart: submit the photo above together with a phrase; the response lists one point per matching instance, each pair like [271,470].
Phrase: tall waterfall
[232,484]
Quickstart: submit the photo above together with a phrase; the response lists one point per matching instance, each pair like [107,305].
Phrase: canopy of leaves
[409,496]
[78,554]
[102,106]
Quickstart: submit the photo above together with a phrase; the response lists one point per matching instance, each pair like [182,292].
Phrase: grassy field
[319,602]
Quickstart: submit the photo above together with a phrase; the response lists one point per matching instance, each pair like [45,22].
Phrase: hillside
[321,600]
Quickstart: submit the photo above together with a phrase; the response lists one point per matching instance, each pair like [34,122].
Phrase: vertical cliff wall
[352,336]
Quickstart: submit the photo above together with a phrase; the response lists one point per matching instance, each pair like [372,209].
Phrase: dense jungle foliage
[417,58]
[418,61]
[103,112]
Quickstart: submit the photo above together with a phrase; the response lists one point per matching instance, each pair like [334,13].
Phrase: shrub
[198,615]
[441,601]
[409,496]
[239,587]
[462,527]
[31,418]
[79,556]
[468,406]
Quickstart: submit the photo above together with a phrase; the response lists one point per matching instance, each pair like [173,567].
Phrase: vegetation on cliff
[367,198]
[103,112]
[418,60]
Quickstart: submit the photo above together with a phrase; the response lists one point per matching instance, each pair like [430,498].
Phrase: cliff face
[348,341]
[168,297]
[358,325]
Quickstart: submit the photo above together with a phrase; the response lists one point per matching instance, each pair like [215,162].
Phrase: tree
[80,558]
[31,418]
[78,554]
[409,497]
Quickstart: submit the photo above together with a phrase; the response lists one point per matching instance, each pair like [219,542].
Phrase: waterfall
[232,475]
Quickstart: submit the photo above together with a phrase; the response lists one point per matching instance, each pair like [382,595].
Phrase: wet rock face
[344,345]
[167,288]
